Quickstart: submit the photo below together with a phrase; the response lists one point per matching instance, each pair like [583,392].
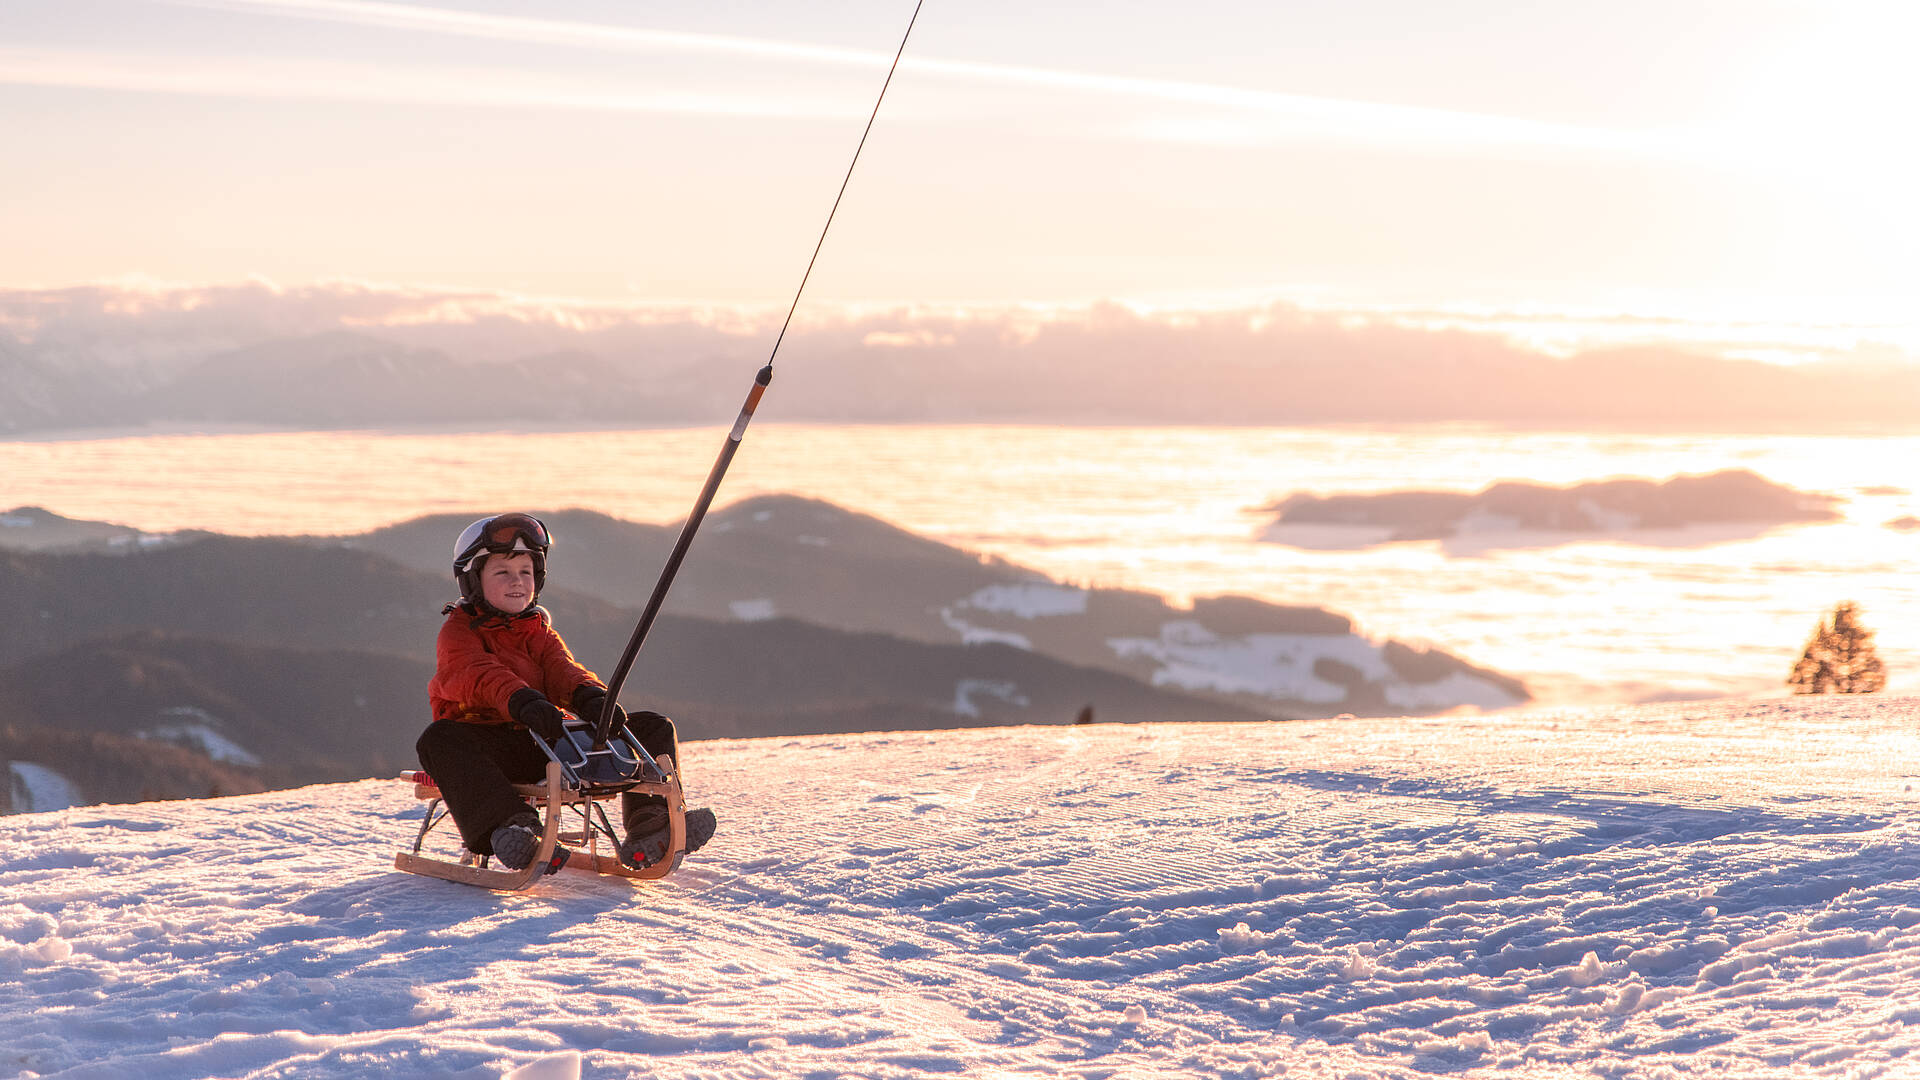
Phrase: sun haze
[1698,160]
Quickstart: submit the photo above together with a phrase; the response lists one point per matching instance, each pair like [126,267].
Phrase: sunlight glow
[1761,182]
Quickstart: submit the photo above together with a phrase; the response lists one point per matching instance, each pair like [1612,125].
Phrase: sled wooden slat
[553,797]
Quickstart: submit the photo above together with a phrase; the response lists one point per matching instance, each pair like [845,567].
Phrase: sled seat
[555,797]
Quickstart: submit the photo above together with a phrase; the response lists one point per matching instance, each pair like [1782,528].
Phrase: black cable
[843,183]
[604,722]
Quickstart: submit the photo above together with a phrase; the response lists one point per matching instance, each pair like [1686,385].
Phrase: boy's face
[506,581]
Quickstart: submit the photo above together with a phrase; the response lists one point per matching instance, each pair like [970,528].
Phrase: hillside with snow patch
[1725,889]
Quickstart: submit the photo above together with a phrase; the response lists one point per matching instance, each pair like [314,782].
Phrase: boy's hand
[587,702]
[542,717]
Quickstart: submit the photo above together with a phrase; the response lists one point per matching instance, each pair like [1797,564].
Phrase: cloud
[1104,363]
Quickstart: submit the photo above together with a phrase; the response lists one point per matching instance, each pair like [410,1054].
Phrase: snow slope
[1721,890]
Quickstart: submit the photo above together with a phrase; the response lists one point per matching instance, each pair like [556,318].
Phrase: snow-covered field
[1704,890]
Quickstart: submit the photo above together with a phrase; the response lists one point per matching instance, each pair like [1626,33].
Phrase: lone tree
[1839,657]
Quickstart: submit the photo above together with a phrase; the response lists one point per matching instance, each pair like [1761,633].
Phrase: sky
[1739,163]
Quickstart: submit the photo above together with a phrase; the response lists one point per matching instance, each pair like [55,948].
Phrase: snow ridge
[1725,890]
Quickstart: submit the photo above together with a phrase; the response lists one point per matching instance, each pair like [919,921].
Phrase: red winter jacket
[484,659]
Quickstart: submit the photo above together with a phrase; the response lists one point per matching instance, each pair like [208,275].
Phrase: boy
[501,666]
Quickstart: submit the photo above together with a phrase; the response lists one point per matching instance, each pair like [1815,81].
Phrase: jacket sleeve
[560,671]
[470,677]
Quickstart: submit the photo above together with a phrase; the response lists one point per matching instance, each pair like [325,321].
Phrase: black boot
[516,840]
[649,834]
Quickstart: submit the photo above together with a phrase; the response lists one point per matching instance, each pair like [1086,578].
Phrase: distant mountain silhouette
[347,379]
[310,661]
[273,592]
[32,528]
[334,379]
[318,358]
[306,714]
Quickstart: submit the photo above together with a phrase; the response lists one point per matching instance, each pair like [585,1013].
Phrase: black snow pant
[476,766]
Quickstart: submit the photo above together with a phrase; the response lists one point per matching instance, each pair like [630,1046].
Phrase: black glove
[587,703]
[542,717]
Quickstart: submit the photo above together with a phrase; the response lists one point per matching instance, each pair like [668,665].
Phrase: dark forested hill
[268,662]
[289,660]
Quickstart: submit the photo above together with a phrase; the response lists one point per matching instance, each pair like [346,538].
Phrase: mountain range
[284,660]
[115,361]
[330,380]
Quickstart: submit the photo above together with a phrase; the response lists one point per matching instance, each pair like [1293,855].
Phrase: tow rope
[603,724]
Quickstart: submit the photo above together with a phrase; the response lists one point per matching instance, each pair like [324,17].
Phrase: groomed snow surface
[1723,890]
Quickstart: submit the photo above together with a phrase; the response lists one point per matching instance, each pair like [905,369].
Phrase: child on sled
[503,671]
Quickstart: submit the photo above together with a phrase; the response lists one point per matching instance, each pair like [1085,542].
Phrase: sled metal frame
[561,791]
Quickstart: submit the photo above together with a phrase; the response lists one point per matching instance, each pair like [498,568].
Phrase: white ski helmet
[503,534]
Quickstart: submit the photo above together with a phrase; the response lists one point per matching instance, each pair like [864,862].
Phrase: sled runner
[579,779]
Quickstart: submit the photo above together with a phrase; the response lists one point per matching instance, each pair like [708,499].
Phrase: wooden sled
[556,797]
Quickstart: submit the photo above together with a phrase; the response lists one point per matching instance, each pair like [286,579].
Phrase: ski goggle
[503,535]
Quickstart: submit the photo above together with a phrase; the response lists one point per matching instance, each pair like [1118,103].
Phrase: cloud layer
[358,355]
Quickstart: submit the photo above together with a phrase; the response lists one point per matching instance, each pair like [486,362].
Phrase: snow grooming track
[1724,889]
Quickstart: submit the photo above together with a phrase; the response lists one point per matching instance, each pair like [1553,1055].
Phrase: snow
[1025,600]
[965,689]
[1278,665]
[1030,600]
[35,787]
[1723,889]
[1188,656]
[198,731]
[144,540]
[758,610]
[981,635]
[1455,689]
